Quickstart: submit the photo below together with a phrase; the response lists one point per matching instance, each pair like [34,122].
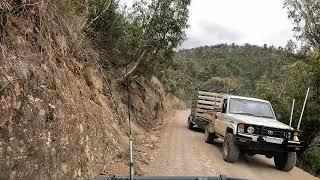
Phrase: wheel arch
[231,128]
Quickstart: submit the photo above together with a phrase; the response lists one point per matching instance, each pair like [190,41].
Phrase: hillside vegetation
[63,89]
[226,67]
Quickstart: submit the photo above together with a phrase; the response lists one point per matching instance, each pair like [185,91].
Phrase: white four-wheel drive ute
[247,125]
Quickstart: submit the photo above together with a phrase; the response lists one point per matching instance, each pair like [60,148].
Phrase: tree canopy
[306,18]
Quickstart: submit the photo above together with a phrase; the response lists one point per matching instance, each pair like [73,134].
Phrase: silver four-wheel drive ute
[247,125]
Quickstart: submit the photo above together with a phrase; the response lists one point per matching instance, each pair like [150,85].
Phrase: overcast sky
[237,21]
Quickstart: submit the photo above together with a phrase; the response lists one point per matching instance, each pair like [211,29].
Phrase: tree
[109,31]
[291,46]
[177,83]
[218,84]
[95,10]
[306,18]
[162,24]
[270,90]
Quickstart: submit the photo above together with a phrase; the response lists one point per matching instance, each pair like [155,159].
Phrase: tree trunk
[132,66]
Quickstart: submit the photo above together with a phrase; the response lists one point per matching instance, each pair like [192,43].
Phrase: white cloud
[240,21]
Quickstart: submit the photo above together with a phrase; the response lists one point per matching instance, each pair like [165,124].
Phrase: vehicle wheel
[190,124]
[285,161]
[230,149]
[209,137]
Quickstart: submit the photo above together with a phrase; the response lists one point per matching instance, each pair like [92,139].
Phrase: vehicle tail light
[296,133]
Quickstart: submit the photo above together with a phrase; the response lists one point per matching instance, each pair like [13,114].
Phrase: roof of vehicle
[247,98]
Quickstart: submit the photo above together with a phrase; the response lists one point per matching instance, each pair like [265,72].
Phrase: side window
[224,106]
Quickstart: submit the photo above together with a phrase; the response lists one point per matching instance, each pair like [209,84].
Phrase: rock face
[57,120]
[68,130]
[55,125]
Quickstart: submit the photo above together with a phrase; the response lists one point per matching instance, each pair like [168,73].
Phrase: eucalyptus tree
[161,25]
[306,19]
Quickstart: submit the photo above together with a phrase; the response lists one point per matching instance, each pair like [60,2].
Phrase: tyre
[190,124]
[285,161]
[230,149]
[209,137]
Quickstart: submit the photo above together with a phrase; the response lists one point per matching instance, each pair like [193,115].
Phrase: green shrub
[311,161]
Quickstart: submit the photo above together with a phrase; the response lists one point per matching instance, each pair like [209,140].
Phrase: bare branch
[5,86]
[133,66]
[97,17]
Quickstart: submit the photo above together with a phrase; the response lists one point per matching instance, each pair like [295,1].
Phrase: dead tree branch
[133,66]
[97,17]
[5,86]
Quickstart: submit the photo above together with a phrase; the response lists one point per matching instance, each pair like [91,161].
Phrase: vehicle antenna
[131,165]
[292,112]
[304,105]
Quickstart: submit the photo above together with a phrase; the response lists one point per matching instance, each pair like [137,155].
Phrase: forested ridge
[224,67]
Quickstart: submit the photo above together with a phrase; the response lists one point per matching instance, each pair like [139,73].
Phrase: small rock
[37,100]
[30,98]
[42,112]
[16,105]
[9,149]
[79,172]
[13,174]
[148,145]
[52,106]
[64,167]
[44,87]
[81,128]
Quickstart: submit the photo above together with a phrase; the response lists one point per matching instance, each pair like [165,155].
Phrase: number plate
[273,140]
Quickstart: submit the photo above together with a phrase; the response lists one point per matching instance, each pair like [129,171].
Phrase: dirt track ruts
[183,152]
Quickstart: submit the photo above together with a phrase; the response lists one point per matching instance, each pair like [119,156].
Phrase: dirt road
[183,152]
